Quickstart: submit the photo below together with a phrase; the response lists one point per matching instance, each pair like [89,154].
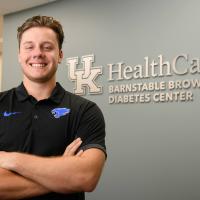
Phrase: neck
[39,91]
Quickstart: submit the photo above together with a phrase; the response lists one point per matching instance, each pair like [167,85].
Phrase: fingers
[73,147]
[79,153]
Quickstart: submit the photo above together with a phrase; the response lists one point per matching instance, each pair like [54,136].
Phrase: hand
[72,148]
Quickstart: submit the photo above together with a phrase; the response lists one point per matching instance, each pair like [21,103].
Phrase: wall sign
[156,80]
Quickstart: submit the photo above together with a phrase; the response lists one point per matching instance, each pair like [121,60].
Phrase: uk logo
[85,77]
[59,112]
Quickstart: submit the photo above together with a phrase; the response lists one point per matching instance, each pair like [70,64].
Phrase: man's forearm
[72,172]
[58,174]
[14,186]
[65,174]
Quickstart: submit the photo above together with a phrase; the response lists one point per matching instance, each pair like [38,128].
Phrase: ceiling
[10,6]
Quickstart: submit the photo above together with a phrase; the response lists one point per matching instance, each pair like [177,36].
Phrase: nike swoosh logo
[8,114]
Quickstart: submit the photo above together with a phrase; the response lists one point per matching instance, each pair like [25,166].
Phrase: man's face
[39,54]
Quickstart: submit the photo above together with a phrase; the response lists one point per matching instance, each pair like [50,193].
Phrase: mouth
[38,65]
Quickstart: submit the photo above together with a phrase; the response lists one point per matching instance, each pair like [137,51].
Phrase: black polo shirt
[46,127]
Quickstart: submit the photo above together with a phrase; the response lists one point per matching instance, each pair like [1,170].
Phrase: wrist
[8,160]
[12,162]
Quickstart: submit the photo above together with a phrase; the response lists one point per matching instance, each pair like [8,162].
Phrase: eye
[47,47]
[29,47]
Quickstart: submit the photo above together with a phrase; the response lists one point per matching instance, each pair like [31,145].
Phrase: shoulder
[82,106]
[6,94]
[78,101]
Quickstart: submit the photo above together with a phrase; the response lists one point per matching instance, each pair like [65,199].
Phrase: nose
[37,53]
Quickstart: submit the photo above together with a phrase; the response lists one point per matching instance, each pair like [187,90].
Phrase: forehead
[39,34]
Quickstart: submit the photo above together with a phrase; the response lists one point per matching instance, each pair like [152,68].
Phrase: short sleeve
[92,128]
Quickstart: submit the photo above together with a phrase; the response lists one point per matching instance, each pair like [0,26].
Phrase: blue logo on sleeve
[59,112]
[8,114]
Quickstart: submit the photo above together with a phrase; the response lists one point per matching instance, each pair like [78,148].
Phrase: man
[52,142]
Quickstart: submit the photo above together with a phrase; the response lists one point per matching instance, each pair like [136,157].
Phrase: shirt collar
[56,95]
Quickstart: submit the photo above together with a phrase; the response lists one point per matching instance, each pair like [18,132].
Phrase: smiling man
[52,142]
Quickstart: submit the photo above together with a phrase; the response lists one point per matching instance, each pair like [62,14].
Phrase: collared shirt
[47,127]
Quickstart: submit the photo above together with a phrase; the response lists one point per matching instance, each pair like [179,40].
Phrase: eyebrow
[27,42]
[30,42]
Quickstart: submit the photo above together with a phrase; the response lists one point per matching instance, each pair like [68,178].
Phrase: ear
[60,56]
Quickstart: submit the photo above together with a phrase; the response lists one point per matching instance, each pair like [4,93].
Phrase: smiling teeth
[38,65]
